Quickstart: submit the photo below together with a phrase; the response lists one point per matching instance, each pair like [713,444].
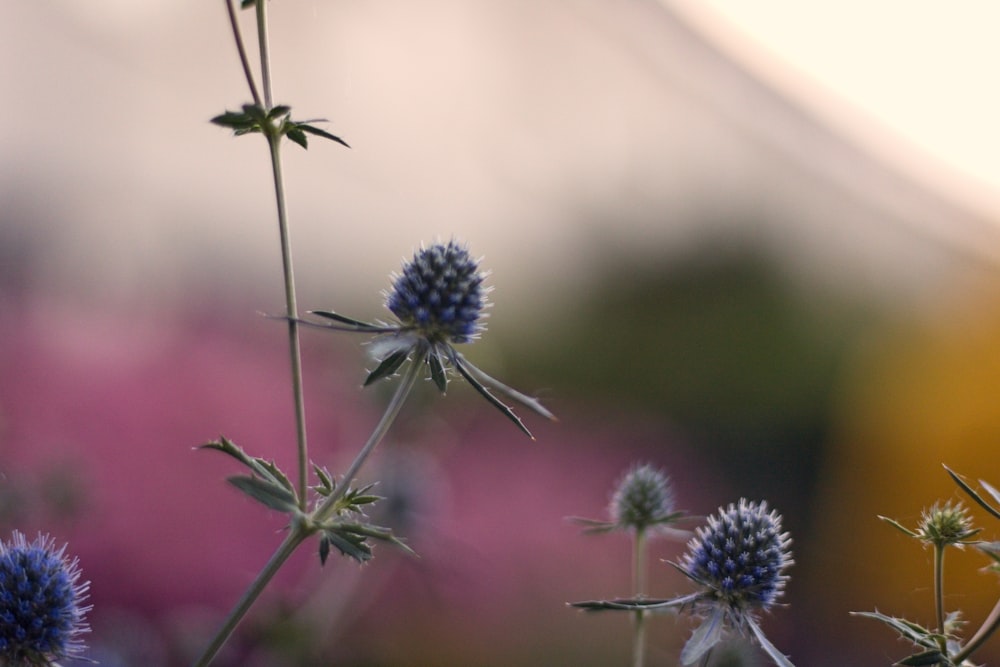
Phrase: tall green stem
[295,537]
[294,346]
[263,43]
[406,384]
[939,585]
[291,306]
[305,525]
[639,589]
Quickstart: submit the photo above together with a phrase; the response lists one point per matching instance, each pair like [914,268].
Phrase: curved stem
[244,61]
[388,417]
[985,631]
[294,538]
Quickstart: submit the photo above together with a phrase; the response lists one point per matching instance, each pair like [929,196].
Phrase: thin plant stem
[294,345]
[307,525]
[639,589]
[985,631]
[288,273]
[939,585]
[291,542]
[391,411]
[241,49]
[263,42]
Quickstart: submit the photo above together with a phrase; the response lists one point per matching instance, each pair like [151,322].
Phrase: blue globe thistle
[739,558]
[41,602]
[439,294]
[438,300]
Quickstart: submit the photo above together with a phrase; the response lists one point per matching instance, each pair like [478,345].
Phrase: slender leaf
[353,323]
[510,392]
[458,363]
[298,137]
[972,493]
[898,526]
[914,632]
[777,656]
[265,492]
[438,374]
[635,604]
[321,133]
[352,546]
[387,367]
[706,636]
[989,489]
[925,659]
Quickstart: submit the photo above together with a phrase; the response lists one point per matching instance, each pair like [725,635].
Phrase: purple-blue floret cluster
[740,556]
[41,602]
[440,294]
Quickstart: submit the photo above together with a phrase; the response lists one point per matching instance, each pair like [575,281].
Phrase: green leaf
[326,484]
[898,526]
[352,546]
[438,374]
[459,363]
[387,367]
[278,111]
[236,120]
[510,392]
[914,632]
[972,493]
[925,659]
[266,470]
[298,137]
[305,127]
[271,495]
[706,636]
[356,325]
[779,658]
[592,526]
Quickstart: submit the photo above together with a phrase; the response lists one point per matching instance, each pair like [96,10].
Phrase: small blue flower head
[438,301]
[440,295]
[41,602]
[739,559]
[642,499]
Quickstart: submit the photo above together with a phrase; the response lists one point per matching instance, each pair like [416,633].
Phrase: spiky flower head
[740,557]
[946,524]
[41,602]
[643,498]
[440,294]
[439,300]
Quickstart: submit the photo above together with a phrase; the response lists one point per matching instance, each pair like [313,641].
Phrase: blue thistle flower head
[41,602]
[440,295]
[439,301]
[740,557]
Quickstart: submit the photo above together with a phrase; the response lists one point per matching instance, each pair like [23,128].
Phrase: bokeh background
[756,247]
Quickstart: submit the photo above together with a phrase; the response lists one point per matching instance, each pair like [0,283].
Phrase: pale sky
[926,70]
